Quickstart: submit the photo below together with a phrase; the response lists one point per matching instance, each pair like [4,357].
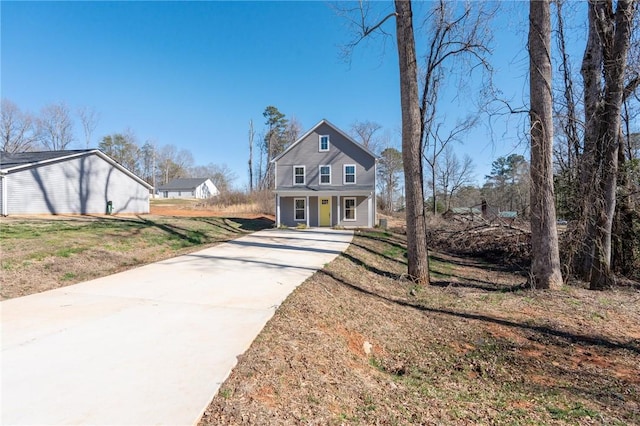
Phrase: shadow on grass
[368,267]
[385,237]
[564,336]
[190,236]
[199,237]
[480,263]
[245,225]
[377,253]
[480,285]
[252,225]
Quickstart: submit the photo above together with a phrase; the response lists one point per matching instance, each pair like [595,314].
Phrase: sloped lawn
[359,344]
[39,254]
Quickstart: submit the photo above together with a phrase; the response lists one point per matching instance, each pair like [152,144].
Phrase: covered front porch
[349,209]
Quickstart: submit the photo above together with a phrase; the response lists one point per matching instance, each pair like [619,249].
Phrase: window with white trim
[349,173]
[325,175]
[298,175]
[299,209]
[323,143]
[349,209]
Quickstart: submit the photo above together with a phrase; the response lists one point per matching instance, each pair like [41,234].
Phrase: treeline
[53,130]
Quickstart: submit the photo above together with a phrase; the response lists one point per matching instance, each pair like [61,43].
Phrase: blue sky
[192,74]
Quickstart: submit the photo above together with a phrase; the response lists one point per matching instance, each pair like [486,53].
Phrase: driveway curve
[151,345]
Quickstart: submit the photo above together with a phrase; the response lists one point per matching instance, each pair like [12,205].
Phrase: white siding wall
[206,190]
[202,191]
[78,186]
[177,194]
[3,198]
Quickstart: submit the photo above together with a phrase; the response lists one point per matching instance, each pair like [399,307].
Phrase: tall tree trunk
[624,239]
[545,262]
[591,71]
[613,34]
[417,252]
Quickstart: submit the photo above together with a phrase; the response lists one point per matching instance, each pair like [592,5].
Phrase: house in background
[69,182]
[325,178]
[188,188]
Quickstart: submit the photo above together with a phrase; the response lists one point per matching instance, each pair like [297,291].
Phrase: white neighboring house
[188,188]
[83,181]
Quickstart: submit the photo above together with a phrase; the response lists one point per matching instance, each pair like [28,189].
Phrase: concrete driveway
[151,345]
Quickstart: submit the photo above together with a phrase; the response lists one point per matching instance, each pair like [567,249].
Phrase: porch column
[306,213]
[339,217]
[277,210]
[370,219]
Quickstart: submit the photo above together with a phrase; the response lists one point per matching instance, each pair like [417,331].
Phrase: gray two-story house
[325,178]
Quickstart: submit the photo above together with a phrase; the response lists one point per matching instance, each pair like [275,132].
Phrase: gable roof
[183,183]
[321,122]
[12,162]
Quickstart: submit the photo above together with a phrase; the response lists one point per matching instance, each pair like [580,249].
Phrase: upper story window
[323,144]
[298,175]
[349,173]
[325,175]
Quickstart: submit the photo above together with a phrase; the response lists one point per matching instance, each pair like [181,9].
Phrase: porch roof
[355,190]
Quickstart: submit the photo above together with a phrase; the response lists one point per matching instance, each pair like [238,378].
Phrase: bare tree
[417,250]
[292,131]
[453,175]
[55,127]
[545,254]
[569,126]
[252,134]
[19,133]
[220,174]
[415,108]
[363,132]
[436,144]
[89,119]
[173,163]
[455,38]
[603,71]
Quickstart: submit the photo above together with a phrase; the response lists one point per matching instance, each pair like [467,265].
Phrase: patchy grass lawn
[358,344]
[40,254]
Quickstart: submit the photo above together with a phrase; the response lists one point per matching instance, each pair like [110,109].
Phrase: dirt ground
[359,344]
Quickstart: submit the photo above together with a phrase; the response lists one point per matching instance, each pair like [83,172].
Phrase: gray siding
[287,213]
[362,212]
[341,152]
[78,186]
[313,211]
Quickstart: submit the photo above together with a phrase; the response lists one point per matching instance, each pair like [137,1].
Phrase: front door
[325,211]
